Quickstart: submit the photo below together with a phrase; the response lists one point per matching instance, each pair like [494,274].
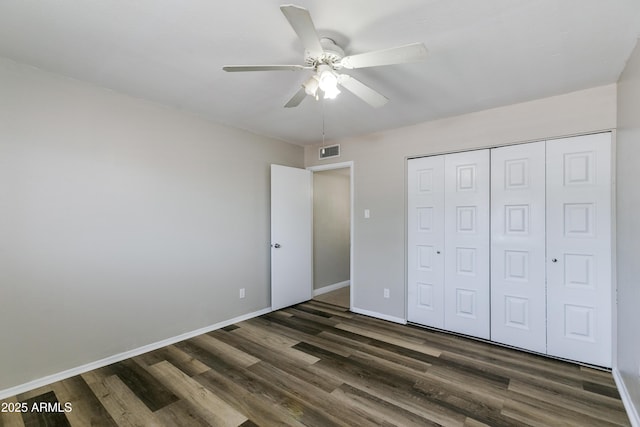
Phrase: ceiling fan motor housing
[331,56]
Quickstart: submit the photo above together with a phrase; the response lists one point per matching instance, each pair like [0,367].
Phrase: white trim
[379,315]
[632,411]
[331,288]
[31,385]
[352,239]
[330,166]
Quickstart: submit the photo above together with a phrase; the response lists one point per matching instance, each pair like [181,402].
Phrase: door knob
[438,252]
[554,260]
[277,245]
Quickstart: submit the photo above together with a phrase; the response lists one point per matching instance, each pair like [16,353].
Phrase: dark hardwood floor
[316,364]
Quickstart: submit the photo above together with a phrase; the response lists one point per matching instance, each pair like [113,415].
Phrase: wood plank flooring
[316,364]
[340,297]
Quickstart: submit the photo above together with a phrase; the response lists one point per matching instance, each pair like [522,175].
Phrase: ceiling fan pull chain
[322,125]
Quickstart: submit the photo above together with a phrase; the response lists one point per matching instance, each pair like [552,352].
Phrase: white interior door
[579,291]
[291,236]
[425,239]
[466,271]
[518,279]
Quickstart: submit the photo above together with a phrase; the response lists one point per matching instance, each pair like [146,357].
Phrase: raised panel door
[579,291]
[518,288]
[466,231]
[425,238]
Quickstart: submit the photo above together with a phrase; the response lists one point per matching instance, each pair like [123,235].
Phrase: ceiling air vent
[330,151]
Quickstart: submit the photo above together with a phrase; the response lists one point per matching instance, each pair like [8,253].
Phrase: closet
[513,244]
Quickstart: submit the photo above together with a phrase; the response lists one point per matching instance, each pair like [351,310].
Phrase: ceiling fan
[325,58]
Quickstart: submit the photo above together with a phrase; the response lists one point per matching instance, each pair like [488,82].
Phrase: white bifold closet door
[518,282]
[448,242]
[546,221]
[466,231]
[425,226]
[579,291]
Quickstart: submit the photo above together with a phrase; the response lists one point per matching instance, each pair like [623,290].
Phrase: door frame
[331,166]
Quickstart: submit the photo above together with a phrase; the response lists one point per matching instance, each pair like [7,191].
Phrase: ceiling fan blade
[362,91]
[296,99]
[300,20]
[236,68]
[395,55]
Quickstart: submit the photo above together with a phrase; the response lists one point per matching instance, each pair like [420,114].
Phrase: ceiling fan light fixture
[331,92]
[328,81]
[327,78]
[311,86]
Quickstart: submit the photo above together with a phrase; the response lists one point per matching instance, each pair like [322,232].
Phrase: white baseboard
[330,288]
[22,388]
[379,315]
[632,411]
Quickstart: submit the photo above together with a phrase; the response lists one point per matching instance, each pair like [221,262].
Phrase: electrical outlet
[367,213]
[386,292]
[241,293]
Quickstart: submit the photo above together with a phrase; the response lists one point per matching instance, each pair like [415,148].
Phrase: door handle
[277,246]
[554,259]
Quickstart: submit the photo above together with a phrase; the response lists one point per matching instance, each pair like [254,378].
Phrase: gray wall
[628,227]
[331,218]
[122,222]
[379,176]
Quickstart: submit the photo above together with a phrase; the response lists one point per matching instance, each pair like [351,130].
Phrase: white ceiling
[482,54]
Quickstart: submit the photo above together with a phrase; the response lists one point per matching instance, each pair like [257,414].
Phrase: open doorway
[332,231]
